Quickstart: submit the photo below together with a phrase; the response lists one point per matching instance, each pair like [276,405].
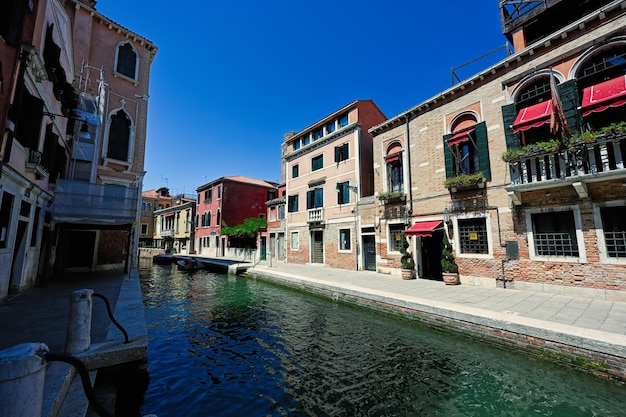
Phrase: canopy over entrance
[423,229]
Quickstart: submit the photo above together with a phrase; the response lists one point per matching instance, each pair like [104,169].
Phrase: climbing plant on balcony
[569,143]
[538,148]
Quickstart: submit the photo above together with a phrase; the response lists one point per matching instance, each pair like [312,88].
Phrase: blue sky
[230,78]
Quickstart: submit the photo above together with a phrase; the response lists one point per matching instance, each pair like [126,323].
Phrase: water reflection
[230,346]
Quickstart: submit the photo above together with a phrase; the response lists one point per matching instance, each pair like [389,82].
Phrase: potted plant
[450,270]
[391,196]
[408,265]
[465,180]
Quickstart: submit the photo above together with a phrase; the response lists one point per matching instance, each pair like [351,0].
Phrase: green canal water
[233,346]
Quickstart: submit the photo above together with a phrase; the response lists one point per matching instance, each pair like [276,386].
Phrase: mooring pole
[78,337]
[22,375]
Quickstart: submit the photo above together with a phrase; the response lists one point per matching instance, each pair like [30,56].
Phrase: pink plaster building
[97,204]
[73,107]
[329,172]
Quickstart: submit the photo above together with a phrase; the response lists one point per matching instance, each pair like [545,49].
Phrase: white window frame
[349,250]
[389,239]
[601,242]
[131,139]
[137,62]
[582,253]
[295,240]
[457,236]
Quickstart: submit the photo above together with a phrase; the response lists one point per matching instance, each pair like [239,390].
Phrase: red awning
[423,229]
[392,158]
[533,116]
[168,215]
[599,97]
[460,137]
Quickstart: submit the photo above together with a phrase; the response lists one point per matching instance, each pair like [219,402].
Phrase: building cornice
[112,25]
[315,145]
[616,7]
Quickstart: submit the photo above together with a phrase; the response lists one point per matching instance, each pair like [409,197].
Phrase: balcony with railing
[167,233]
[596,157]
[316,215]
[80,202]
[34,164]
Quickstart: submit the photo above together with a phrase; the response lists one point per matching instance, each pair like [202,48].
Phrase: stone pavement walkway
[41,314]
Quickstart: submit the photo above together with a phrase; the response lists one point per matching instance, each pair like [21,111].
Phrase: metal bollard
[78,337]
[22,375]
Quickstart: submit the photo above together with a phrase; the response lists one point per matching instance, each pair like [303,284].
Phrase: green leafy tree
[244,235]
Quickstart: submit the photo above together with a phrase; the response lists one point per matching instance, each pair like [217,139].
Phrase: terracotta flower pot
[408,273]
[451,278]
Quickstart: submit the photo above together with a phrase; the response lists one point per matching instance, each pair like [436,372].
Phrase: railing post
[78,338]
[22,375]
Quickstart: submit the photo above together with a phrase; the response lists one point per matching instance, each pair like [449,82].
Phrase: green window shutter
[448,157]
[568,92]
[509,113]
[318,198]
[482,143]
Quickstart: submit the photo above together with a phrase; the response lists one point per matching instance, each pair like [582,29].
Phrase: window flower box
[390,197]
[476,180]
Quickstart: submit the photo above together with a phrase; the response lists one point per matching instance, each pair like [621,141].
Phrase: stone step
[58,379]
[76,403]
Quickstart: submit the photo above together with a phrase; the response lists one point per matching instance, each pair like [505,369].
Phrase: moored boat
[163,259]
[189,264]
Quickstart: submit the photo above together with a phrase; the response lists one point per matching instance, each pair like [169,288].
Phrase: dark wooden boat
[189,265]
[163,259]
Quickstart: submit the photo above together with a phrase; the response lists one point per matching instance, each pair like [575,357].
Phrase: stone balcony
[602,159]
[315,215]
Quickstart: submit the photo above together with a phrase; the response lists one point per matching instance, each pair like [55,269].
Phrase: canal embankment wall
[602,353]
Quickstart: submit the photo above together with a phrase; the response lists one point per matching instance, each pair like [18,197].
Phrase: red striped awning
[599,97]
[423,229]
[460,137]
[533,116]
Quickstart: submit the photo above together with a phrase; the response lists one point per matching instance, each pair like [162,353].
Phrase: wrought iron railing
[603,155]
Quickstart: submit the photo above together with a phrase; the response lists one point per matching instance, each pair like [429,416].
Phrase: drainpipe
[408,156]
[502,245]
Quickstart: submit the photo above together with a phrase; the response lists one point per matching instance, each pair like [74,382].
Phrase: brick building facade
[517,164]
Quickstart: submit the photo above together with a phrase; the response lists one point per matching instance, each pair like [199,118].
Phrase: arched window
[534,105]
[119,136]
[218,218]
[395,173]
[208,222]
[463,145]
[126,61]
[601,81]
[466,149]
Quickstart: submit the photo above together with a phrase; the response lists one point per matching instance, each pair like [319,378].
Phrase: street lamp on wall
[83,134]
[447,220]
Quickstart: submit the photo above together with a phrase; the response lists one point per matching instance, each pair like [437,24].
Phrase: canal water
[224,345]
